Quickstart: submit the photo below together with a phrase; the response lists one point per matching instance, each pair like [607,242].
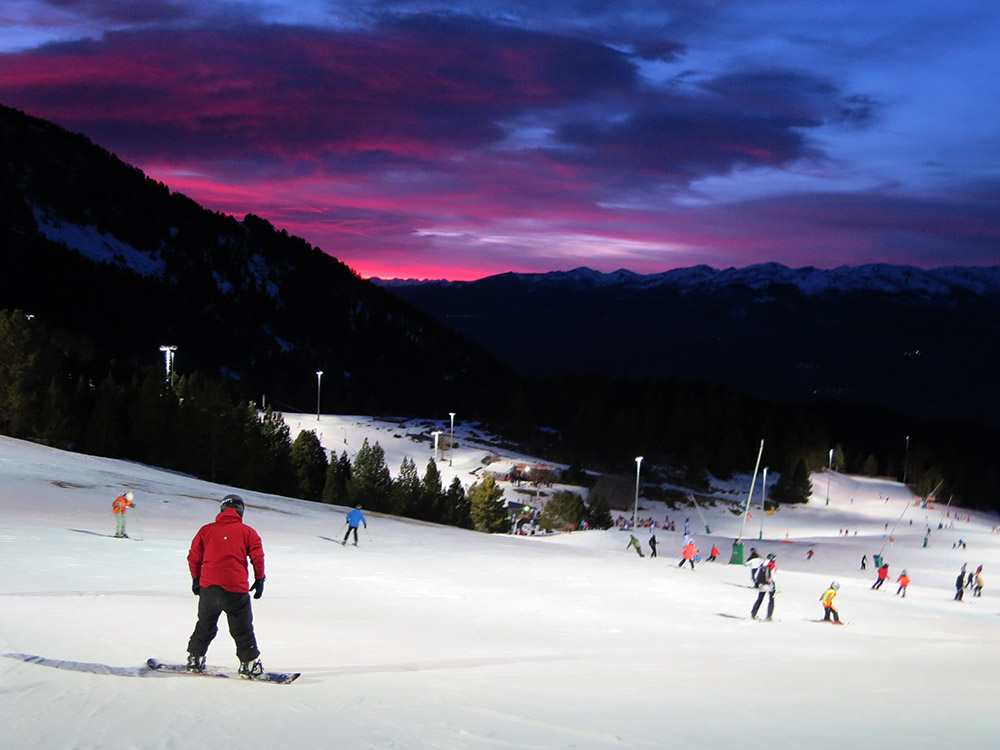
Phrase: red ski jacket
[219,553]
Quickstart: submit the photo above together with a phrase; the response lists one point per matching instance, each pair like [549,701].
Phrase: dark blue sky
[461,139]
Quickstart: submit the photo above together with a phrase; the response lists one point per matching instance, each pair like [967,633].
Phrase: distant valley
[922,342]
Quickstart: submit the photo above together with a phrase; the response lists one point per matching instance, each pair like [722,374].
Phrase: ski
[279,678]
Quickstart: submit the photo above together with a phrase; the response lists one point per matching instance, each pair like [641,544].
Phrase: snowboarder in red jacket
[218,564]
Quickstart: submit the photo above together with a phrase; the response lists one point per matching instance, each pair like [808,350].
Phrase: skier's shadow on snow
[82,666]
[86,531]
[335,541]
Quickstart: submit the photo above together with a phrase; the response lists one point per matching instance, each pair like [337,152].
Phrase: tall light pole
[906,459]
[168,356]
[451,437]
[635,510]
[763,502]
[829,471]
[319,379]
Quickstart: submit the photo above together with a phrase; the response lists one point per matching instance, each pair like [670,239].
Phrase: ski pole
[369,536]
[138,525]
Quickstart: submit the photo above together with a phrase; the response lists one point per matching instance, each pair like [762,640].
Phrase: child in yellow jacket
[827,599]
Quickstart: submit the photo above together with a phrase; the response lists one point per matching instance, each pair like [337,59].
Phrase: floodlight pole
[906,459]
[635,510]
[319,380]
[829,471]
[168,355]
[451,437]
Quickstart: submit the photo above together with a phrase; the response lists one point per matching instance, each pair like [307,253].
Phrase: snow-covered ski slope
[433,637]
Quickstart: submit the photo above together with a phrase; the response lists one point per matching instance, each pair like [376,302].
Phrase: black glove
[258,588]
[195,587]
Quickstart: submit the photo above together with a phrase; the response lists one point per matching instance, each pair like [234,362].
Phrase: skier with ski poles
[765,585]
[960,585]
[118,506]
[354,518]
[218,564]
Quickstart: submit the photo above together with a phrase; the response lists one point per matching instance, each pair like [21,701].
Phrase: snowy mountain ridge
[875,277]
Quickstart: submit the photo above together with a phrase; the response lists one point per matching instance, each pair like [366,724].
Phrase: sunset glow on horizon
[456,141]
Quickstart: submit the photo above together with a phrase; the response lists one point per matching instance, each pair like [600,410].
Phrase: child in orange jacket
[118,507]
[903,581]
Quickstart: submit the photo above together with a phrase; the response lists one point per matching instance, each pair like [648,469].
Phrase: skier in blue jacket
[353,519]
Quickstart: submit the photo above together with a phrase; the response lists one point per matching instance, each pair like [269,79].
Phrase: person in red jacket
[218,564]
[883,574]
[688,554]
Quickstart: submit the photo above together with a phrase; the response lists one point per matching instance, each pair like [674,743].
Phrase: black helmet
[358,506]
[770,555]
[232,501]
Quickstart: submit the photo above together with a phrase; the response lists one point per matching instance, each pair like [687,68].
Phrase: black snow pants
[760,600]
[212,602]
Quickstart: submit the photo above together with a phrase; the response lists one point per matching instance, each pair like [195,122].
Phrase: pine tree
[407,491]
[310,464]
[21,376]
[457,510]
[337,476]
[599,513]
[371,483]
[433,494]
[793,486]
[486,507]
[565,510]
[870,468]
[105,431]
[268,466]
[839,461]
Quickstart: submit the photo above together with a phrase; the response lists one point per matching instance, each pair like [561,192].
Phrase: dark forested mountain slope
[98,248]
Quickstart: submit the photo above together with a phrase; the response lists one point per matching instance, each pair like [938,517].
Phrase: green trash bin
[878,561]
[738,550]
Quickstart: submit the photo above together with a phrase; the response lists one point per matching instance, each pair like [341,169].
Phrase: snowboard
[279,678]
[759,618]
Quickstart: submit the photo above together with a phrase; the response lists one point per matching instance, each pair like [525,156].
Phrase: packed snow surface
[426,636]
